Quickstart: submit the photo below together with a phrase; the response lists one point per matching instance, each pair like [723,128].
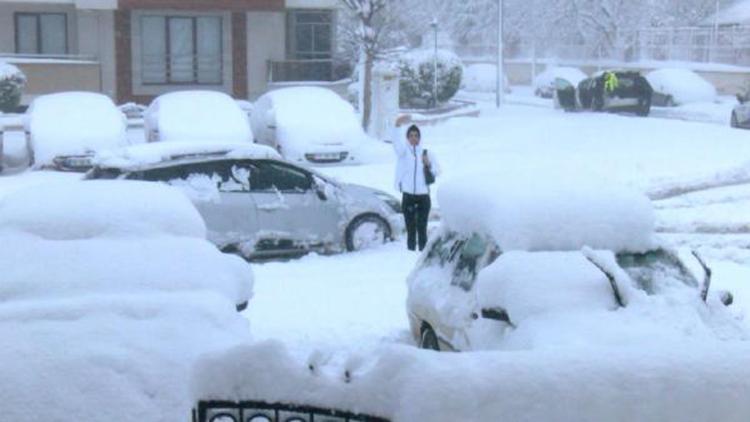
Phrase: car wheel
[365,232]
[428,340]
[733,121]
[644,107]
[598,103]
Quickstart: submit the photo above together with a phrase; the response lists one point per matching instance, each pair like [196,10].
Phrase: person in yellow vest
[610,82]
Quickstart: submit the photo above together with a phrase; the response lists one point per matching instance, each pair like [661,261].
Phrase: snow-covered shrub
[416,70]
[12,82]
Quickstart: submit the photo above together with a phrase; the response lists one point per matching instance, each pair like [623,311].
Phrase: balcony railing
[301,70]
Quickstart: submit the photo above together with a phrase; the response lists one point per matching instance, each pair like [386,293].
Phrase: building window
[310,34]
[181,50]
[41,33]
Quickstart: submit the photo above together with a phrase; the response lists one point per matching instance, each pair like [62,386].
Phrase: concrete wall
[47,77]
[266,40]
[312,4]
[96,37]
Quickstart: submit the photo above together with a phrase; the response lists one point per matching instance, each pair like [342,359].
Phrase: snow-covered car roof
[190,116]
[547,212]
[309,116]
[111,237]
[683,85]
[144,155]
[73,123]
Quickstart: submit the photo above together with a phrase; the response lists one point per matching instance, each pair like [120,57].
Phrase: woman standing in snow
[416,169]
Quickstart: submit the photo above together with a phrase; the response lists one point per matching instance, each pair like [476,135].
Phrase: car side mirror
[726,297]
[497,314]
[741,98]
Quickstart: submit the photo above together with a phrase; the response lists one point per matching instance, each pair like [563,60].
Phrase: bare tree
[367,35]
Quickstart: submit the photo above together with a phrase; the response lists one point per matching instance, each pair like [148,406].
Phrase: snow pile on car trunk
[685,86]
[109,293]
[309,119]
[73,123]
[529,211]
[405,384]
[189,116]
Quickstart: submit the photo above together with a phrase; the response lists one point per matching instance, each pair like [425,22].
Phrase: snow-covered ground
[356,302]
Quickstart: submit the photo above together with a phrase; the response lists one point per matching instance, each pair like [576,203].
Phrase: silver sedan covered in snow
[258,205]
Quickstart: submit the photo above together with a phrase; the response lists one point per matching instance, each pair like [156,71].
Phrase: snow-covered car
[111,291]
[741,112]
[308,124]
[257,204]
[673,87]
[196,116]
[612,90]
[65,130]
[494,278]
[544,83]
[107,237]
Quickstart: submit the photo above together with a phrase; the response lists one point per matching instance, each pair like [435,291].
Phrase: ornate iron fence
[255,411]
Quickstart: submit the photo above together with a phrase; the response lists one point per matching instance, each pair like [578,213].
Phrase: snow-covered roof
[73,123]
[547,211]
[190,116]
[153,153]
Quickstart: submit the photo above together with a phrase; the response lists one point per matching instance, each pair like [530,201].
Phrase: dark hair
[414,128]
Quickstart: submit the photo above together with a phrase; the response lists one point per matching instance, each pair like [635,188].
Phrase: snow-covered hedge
[12,82]
[417,69]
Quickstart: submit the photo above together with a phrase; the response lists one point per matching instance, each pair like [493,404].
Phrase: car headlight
[391,200]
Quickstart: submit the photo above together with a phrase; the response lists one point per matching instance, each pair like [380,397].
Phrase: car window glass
[655,270]
[271,176]
[469,261]
[441,250]
[227,176]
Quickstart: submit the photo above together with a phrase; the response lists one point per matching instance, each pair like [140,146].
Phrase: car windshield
[463,255]
[99,173]
[656,270]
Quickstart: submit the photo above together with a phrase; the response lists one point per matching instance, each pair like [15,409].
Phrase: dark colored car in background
[627,91]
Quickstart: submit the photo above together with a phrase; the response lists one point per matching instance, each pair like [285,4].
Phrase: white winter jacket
[409,165]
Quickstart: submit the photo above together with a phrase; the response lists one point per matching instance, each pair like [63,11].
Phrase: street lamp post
[499,93]
[434,25]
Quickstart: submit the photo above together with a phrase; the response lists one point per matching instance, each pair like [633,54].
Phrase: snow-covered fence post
[368,38]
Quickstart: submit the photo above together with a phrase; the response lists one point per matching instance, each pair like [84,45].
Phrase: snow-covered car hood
[372,197]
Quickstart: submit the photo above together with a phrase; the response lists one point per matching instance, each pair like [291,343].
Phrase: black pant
[416,210]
